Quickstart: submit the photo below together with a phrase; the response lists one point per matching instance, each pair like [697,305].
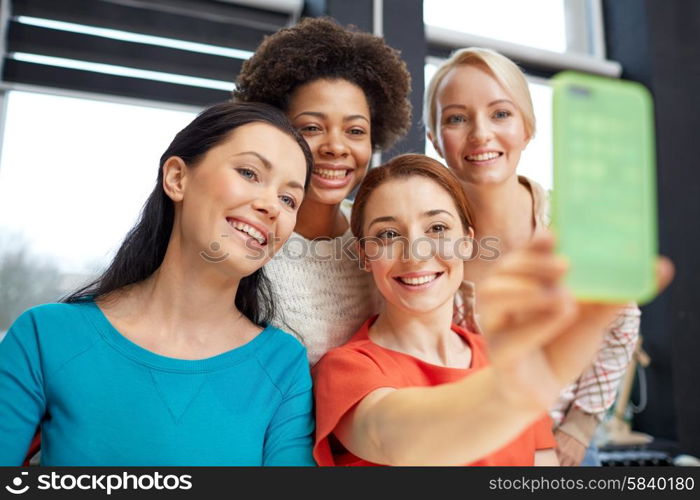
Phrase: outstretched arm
[540,339]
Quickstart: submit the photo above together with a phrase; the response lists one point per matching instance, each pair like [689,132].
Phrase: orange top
[346,374]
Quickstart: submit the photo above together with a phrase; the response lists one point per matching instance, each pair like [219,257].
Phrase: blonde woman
[479,117]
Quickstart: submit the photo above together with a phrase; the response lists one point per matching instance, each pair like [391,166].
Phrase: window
[544,37]
[565,26]
[509,20]
[75,171]
[74,174]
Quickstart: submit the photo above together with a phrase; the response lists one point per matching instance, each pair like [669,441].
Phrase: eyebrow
[268,166]
[431,213]
[391,218]
[316,114]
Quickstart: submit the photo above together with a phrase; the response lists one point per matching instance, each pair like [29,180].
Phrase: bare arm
[546,458]
[540,340]
[449,424]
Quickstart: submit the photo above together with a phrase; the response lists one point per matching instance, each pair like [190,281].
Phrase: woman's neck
[186,308]
[427,336]
[503,211]
[318,220]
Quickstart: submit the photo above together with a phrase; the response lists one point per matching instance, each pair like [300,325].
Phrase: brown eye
[310,129]
[388,234]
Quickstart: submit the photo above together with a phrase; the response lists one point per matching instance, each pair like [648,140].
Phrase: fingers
[523,285]
[665,271]
[527,333]
[542,266]
[542,242]
[570,451]
[537,259]
[504,300]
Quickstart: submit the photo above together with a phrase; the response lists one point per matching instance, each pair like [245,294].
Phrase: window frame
[587,37]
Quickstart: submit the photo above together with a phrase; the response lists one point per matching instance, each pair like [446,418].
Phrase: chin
[418,307]
[240,261]
[329,196]
[487,178]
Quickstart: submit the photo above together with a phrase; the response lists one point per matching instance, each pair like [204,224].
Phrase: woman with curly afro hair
[347,92]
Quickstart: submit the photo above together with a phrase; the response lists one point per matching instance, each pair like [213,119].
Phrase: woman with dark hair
[167,358]
[347,93]
[412,388]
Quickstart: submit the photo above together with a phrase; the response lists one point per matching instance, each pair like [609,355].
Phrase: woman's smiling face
[239,202]
[480,130]
[334,118]
[414,243]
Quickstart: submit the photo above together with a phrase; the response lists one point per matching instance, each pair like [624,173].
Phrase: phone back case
[604,197]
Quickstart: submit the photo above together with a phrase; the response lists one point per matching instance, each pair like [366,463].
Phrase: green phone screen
[604,197]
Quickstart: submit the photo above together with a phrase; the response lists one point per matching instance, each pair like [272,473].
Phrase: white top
[323,296]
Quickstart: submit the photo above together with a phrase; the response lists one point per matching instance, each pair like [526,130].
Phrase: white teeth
[419,280]
[250,230]
[328,173]
[483,156]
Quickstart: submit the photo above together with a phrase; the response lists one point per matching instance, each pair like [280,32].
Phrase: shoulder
[354,368]
[540,198]
[476,340]
[282,341]
[53,332]
[284,360]
[51,317]
[349,357]
[359,357]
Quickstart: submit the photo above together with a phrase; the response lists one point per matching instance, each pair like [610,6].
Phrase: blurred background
[93,91]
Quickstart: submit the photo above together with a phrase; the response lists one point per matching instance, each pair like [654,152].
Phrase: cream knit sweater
[323,297]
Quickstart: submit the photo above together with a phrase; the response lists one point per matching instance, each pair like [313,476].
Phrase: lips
[332,176]
[483,156]
[332,173]
[418,279]
[256,232]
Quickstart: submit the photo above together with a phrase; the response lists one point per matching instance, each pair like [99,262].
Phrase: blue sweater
[100,399]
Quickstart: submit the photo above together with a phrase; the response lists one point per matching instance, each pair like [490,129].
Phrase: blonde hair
[505,71]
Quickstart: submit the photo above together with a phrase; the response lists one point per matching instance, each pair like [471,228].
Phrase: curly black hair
[320,48]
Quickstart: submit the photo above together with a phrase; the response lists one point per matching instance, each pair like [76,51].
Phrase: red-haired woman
[410,387]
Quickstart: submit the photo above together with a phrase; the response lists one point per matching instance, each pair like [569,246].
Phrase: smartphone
[604,194]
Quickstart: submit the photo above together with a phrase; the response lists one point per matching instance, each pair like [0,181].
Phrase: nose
[267,204]
[416,248]
[333,145]
[480,132]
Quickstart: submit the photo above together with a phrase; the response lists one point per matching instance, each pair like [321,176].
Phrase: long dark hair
[143,249]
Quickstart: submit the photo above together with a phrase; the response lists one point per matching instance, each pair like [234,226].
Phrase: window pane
[540,24]
[74,174]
